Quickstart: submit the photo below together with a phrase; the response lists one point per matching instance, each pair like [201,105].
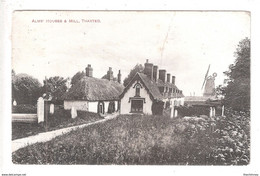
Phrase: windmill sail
[205,77]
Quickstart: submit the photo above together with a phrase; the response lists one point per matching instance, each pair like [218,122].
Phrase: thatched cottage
[149,94]
[94,94]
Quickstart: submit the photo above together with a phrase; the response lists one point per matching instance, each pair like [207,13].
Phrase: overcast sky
[183,43]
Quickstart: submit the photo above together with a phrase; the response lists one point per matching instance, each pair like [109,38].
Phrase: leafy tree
[138,68]
[25,88]
[237,90]
[106,77]
[54,87]
[77,77]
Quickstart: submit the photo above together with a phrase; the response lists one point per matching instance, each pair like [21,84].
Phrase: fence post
[52,108]
[175,113]
[210,112]
[40,109]
[73,112]
[214,111]
[223,111]
[172,111]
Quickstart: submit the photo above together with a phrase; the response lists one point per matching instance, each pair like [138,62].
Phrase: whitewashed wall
[116,105]
[92,106]
[106,103]
[180,101]
[126,106]
[86,105]
[79,105]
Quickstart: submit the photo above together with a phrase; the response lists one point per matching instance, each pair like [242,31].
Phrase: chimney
[155,72]
[89,71]
[168,77]
[162,74]
[173,80]
[110,74]
[148,69]
[119,77]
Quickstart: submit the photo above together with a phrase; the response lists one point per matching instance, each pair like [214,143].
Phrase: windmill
[209,82]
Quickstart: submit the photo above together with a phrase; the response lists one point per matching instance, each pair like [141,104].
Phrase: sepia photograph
[131,88]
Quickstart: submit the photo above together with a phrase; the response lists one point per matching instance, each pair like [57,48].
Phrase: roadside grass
[60,119]
[127,139]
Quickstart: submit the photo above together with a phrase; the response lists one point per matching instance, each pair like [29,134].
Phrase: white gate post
[73,112]
[223,110]
[175,113]
[52,108]
[40,109]
[172,111]
[211,112]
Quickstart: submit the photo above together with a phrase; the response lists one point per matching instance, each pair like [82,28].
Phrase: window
[137,106]
[137,91]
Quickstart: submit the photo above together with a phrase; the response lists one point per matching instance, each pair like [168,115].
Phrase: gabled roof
[149,85]
[152,87]
[160,83]
[94,89]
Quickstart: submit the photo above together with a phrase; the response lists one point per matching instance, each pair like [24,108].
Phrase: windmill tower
[209,84]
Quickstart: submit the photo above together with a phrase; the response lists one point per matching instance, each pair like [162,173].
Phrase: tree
[54,87]
[77,77]
[138,68]
[25,88]
[237,90]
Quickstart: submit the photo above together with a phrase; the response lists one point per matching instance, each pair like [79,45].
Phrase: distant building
[209,99]
[149,93]
[94,94]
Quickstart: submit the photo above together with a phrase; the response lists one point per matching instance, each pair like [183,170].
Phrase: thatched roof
[94,89]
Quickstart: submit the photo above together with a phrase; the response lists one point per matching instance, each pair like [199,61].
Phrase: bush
[232,136]
[192,110]
[24,108]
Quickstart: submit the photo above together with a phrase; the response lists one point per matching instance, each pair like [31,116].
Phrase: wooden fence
[28,118]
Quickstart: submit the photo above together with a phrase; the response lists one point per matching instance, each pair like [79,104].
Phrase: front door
[137,106]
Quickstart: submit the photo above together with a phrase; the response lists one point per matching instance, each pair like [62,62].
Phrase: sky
[182,42]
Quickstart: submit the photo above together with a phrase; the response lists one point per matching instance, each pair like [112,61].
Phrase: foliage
[54,87]
[193,110]
[128,140]
[25,88]
[24,108]
[77,77]
[237,91]
[138,68]
[106,77]
[157,107]
[232,139]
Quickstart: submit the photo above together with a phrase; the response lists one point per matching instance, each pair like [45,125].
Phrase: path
[47,136]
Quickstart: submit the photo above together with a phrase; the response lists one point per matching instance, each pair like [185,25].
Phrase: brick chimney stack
[155,73]
[148,69]
[168,77]
[110,74]
[162,74]
[89,71]
[173,80]
[119,77]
